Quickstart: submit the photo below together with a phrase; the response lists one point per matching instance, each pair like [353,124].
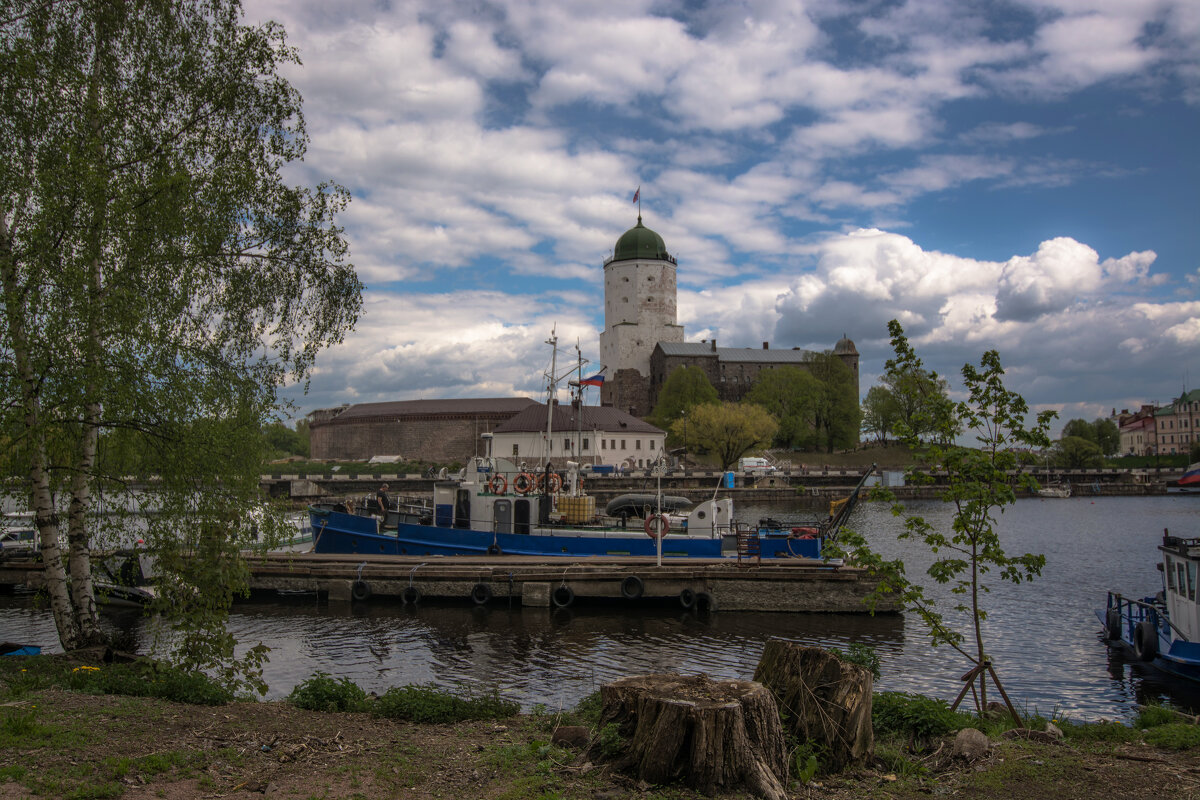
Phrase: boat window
[462,509]
[1170,572]
[1179,585]
[1191,573]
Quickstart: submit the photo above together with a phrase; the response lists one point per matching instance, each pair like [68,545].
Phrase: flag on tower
[637,194]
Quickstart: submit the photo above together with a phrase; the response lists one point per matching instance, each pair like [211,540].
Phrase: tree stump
[823,699]
[710,735]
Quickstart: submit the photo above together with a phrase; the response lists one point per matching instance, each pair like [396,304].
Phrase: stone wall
[427,438]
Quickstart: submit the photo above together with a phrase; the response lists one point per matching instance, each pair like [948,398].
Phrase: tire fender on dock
[481,593]
[411,594]
[360,590]
[632,587]
[687,598]
[562,596]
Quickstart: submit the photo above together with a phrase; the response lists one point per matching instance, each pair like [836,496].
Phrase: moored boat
[1191,477]
[1163,629]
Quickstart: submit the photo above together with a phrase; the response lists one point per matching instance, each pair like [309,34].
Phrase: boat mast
[551,385]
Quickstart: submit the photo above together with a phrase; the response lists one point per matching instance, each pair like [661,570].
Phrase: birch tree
[161,280]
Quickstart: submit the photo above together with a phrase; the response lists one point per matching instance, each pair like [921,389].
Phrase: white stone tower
[639,312]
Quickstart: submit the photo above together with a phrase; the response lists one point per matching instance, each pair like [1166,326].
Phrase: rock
[970,744]
[576,736]
[1054,731]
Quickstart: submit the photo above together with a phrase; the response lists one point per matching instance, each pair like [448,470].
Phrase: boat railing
[1134,611]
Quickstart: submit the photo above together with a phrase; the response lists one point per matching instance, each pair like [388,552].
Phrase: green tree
[160,281]
[980,482]
[1080,428]
[879,413]
[729,430]
[684,389]
[837,417]
[284,441]
[1108,436]
[791,395]
[1076,452]
[920,397]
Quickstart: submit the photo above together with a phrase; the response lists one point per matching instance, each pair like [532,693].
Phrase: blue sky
[1020,176]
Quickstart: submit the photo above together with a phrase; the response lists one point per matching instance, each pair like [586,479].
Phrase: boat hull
[335,532]
[1154,644]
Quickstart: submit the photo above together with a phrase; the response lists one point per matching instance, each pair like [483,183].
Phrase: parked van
[751,464]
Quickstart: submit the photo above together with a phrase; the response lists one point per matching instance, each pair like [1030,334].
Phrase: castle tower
[639,312]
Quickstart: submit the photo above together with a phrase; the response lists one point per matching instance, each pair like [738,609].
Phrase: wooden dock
[707,584]
[712,584]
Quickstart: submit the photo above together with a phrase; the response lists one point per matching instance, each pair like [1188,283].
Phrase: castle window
[516,449]
[604,444]
[585,444]
[637,444]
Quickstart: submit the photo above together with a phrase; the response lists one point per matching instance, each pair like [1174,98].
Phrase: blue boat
[497,508]
[1163,629]
[14,649]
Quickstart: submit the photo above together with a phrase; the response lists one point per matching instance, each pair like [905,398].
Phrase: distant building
[587,435]
[642,341]
[1176,424]
[439,431]
[1138,431]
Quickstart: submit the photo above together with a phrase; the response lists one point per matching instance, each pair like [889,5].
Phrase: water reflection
[1042,635]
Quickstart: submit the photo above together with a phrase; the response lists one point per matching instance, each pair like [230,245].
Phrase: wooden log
[710,735]
[823,700]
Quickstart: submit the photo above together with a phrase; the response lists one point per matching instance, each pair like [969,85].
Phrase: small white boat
[1059,490]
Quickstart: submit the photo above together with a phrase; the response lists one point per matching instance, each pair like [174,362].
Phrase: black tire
[1145,641]
[704,602]
[481,593]
[494,550]
[632,587]
[562,596]
[687,598]
[411,594]
[360,590]
[1112,623]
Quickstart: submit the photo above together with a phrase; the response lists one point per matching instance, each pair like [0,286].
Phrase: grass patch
[430,704]
[920,719]
[1174,736]
[147,678]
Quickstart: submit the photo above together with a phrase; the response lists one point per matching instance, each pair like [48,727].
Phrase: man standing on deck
[382,504]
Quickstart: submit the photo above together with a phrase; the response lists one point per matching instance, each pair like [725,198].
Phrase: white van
[750,464]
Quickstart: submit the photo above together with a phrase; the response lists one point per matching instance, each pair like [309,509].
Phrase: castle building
[642,342]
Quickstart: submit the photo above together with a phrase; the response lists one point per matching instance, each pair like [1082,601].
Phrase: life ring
[562,596]
[498,484]
[656,526]
[411,594]
[805,533]
[553,483]
[1145,641]
[481,593]
[632,587]
[1112,624]
[687,598]
[360,590]
[523,483]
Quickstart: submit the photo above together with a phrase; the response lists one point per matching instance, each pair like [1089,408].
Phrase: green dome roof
[640,242]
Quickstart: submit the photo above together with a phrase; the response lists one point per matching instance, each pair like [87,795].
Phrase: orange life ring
[657,526]
[553,483]
[498,484]
[523,483]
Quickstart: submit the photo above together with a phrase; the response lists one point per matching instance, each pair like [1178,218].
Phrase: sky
[1018,175]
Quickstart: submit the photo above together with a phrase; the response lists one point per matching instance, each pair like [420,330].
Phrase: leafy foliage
[684,389]
[879,413]
[915,716]
[862,655]
[160,281]
[147,678]
[323,693]
[979,481]
[728,430]
[837,416]
[791,395]
[1075,452]
[430,704]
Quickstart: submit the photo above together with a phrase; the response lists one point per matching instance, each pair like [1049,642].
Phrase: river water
[1043,636]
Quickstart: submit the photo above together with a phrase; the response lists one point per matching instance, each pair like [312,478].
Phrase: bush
[323,693]
[862,655]
[146,678]
[916,717]
[430,704]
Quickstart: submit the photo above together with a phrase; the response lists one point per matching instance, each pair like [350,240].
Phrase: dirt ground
[105,746]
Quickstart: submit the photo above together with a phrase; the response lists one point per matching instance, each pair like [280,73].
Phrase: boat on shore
[1162,629]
